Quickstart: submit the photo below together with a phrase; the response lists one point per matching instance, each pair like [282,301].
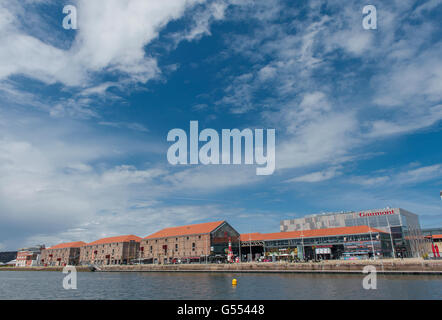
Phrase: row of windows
[176,239]
[374,221]
[322,240]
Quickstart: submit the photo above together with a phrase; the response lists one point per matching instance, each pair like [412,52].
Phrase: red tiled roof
[76,244]
[308,233]
[126,238]
[186,230]
[435,236]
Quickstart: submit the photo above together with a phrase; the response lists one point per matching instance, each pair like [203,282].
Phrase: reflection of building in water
[403,226]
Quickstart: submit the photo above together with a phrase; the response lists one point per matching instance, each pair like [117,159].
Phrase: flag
[440,195]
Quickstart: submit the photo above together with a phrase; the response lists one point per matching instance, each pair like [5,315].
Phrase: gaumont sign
[377,213]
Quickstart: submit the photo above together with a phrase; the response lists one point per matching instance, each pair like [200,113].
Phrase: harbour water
[182,285]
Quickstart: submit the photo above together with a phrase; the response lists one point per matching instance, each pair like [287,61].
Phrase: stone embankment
[60,269]
[387,266]
[406,266]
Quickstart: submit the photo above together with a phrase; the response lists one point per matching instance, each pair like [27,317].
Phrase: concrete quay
[390,266]
[386,266]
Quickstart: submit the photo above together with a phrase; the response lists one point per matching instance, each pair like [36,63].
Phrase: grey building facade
[402,225]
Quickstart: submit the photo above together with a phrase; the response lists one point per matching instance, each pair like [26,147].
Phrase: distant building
[434,237]
[28,257]
[432,231]
[359,242]
[191,243]
[112,250]
[7,256]
[62,254]
[403,226]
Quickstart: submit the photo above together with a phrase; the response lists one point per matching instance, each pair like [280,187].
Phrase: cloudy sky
[84,114]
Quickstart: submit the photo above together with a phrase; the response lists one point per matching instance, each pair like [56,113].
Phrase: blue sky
[84,114]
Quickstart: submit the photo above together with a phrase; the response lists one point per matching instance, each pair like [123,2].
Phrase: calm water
[48,285]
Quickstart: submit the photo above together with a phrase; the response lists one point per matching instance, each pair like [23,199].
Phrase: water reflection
[181,285]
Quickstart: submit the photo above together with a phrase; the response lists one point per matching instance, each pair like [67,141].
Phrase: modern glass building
[402,225]
[359,242]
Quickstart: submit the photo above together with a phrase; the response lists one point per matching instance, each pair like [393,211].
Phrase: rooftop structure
[199,228]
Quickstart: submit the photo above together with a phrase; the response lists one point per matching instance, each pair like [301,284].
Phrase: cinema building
[62,254]
[191,243]
[359,242]
[402,225]
[112,250]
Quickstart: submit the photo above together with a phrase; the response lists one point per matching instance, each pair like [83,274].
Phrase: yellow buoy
[234,282]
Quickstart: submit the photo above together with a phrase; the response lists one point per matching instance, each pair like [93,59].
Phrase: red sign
[379,213]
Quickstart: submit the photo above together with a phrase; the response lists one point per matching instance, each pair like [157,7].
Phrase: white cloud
[330,86]
[325,139]
[317,176]
[420,174]
[127,125]
[58,185]
[421,119]
[202,18]
[112,36]
[412,81]
[401,178]
[208,179]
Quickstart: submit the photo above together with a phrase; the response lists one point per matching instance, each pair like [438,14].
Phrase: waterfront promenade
[387,266]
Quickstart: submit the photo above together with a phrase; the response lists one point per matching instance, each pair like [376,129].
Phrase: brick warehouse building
[191,243]
[62,254]
[112,250]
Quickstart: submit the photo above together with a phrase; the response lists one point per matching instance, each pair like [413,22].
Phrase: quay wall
[59,269]
[397,266]
[401,267]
